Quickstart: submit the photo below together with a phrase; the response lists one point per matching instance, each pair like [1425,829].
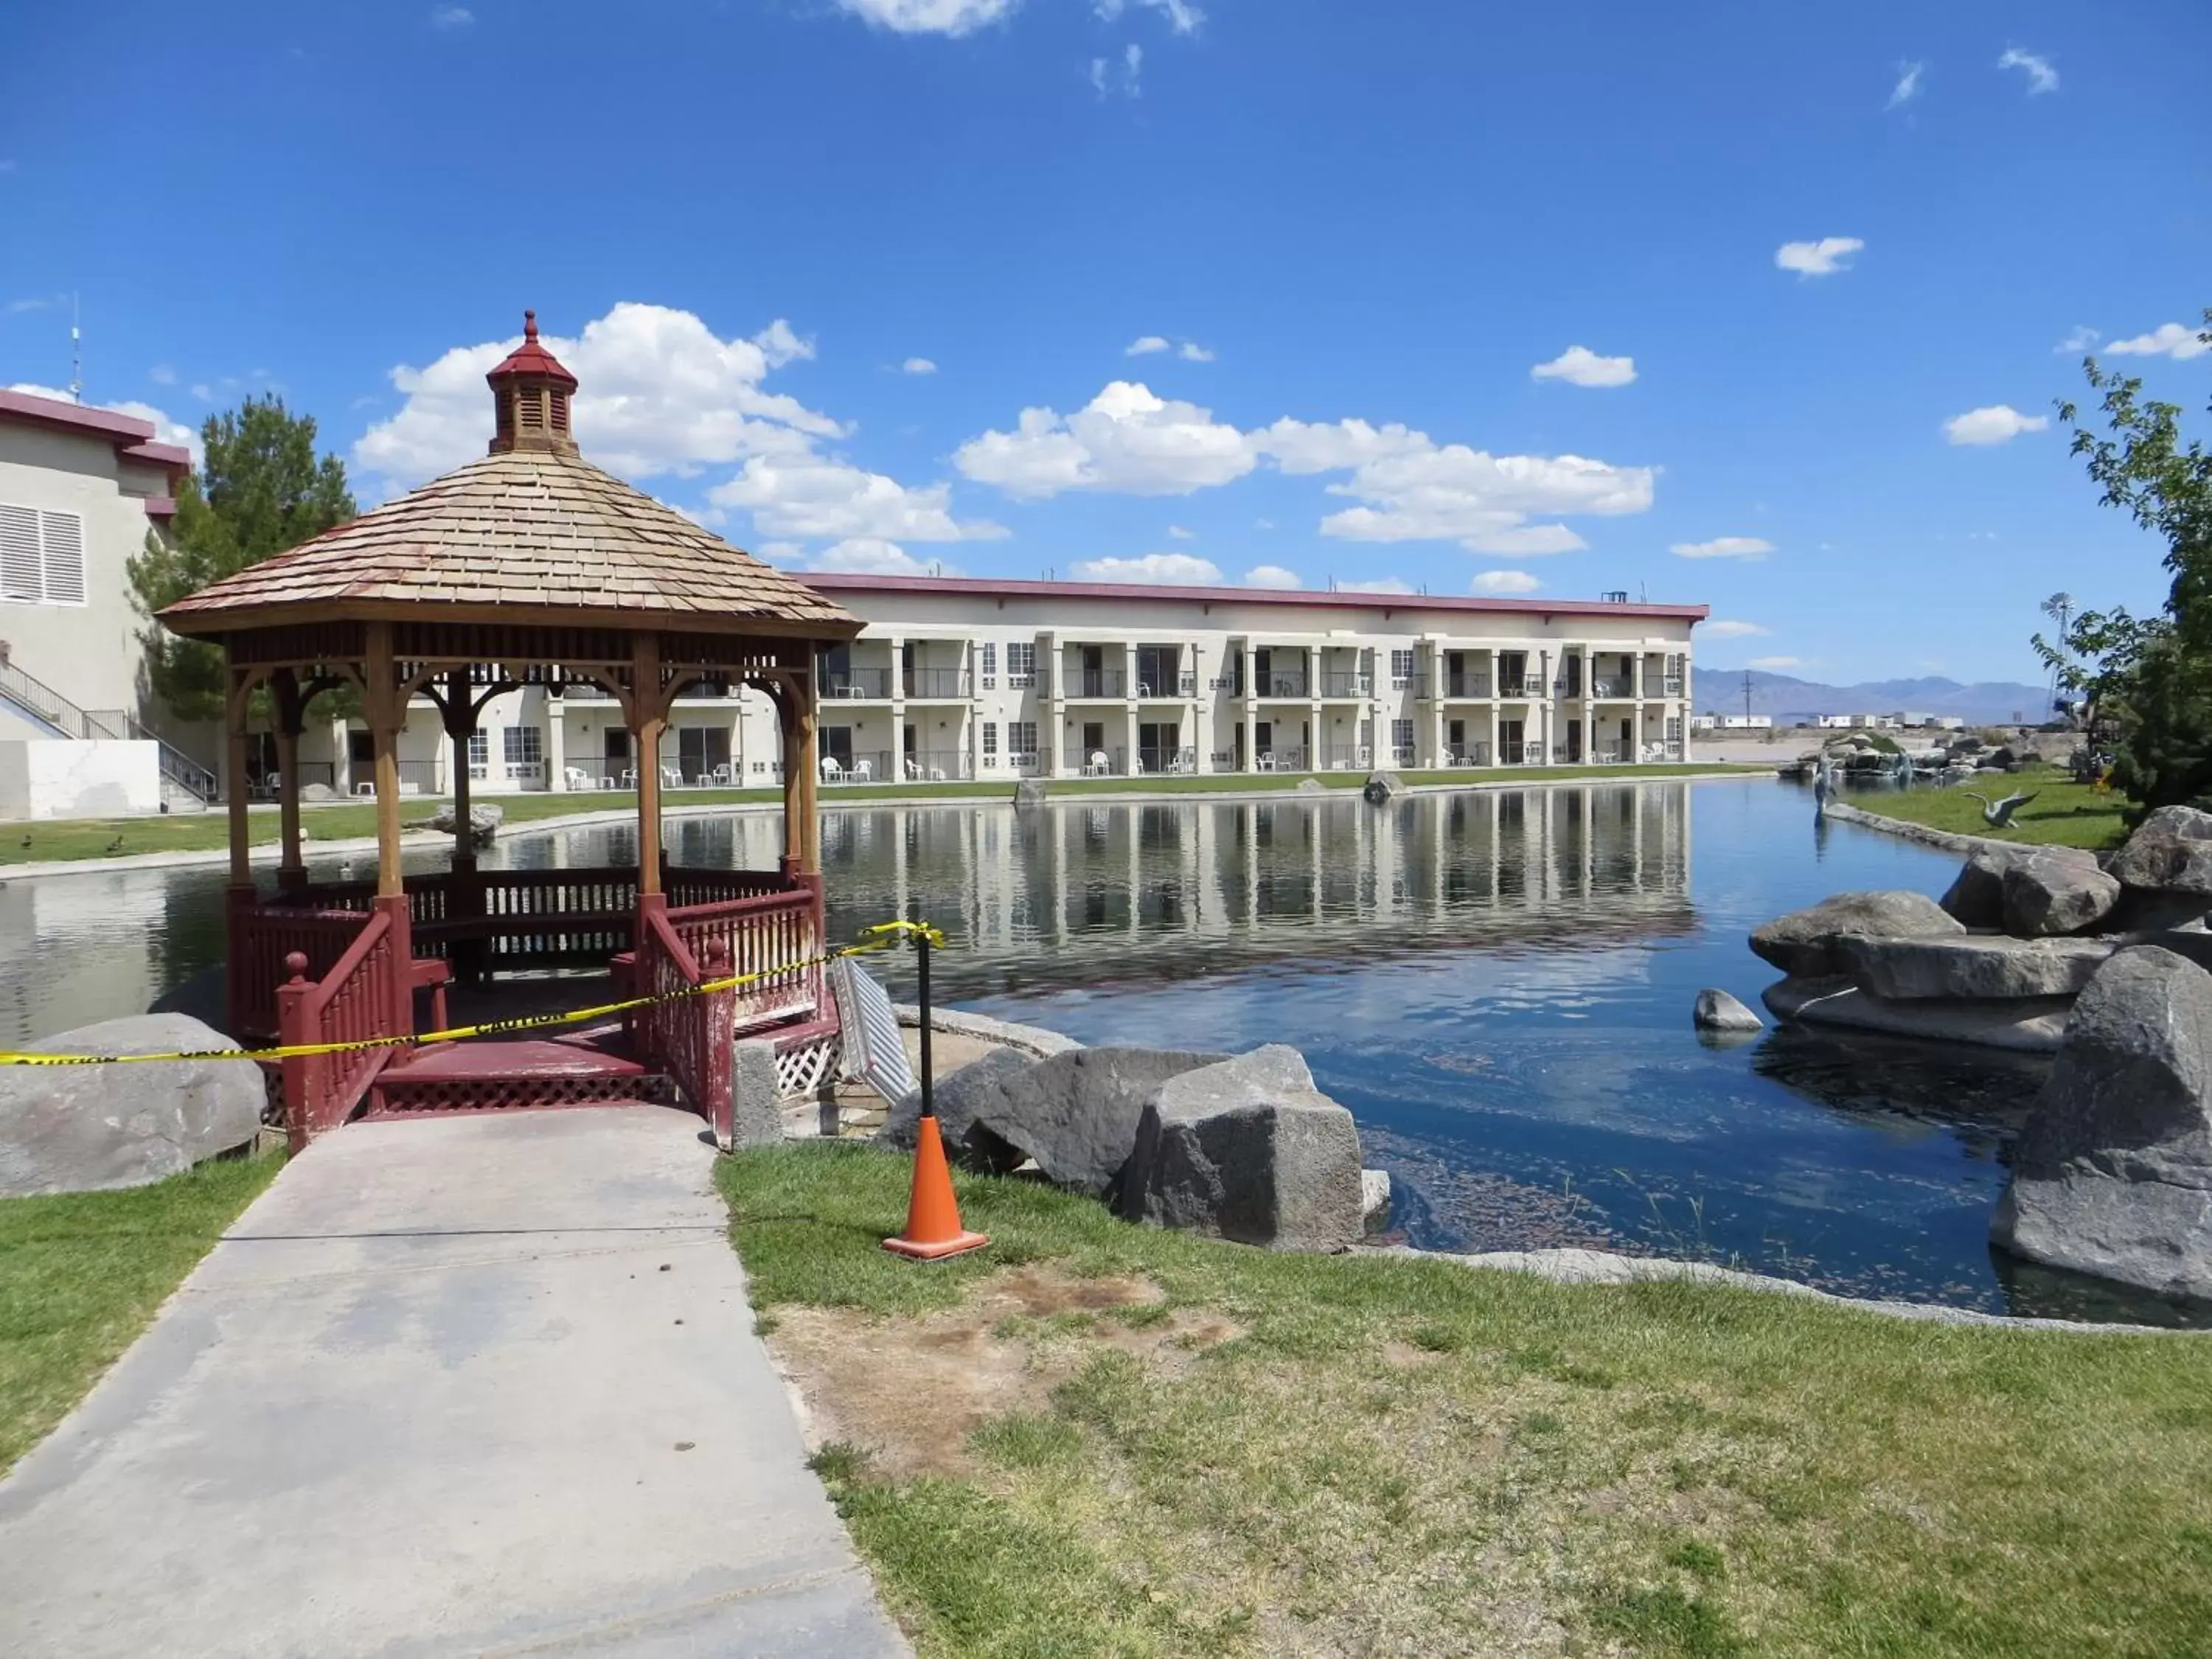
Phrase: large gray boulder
[2112,1173]
[1382,786]
[1029,794]
[483,823]
[1076,1113]
[2170,852]
[2045,896]
[1809,942]
[1978,968]
[87,1128]
[1250,1151]
[1976,898]
[319,794]
[2032,1025]
[958,1099]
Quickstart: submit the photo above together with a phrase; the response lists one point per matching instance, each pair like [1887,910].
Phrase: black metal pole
[921,974]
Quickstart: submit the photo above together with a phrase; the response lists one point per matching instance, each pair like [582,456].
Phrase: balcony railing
[1282,685]
[874,766]
[1344,757]
[935,766]
[857,684]
[1280,759]
[1095,683]
[1674,686]
[1460,686]
[1467,754]
[1527,688]
[947,682]
[1613,685]
[1162,760]
[1343,685]
[1168,686]
[1103,762]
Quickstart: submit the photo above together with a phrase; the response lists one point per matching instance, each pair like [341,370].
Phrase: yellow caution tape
[879,938]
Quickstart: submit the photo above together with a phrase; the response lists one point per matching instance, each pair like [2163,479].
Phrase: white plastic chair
[831,772]
[864,771]
[574,777]
[1099,764]
[913,771]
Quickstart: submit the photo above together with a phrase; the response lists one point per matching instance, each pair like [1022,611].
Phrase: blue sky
[1355,231]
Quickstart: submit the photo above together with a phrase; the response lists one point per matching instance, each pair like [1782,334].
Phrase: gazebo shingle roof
[540,528]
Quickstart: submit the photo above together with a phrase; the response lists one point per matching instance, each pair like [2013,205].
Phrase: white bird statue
[1998,814]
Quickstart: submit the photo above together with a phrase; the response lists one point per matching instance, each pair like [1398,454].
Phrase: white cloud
[202,390]
[161,374]
[2041,77]
[779,552]
[1409,488]
[1182,16]
[948,17]
[1148,345]
[2174,340]
[871,556]
[1192,352]
[448,18]
[1177,532]
[1125,439]
[1181,569]
[1908,85]
[1580,365]
[1272,575]
[660,393]
[1998,423]
[166,431]
[2079,338]
[917,365]
[1376,584]
[1725,628]
[1504,581]
[1133,69]
[1724,547]
[814,497]
[1772,664]
[1821,258]
[1098,76]
[35,303]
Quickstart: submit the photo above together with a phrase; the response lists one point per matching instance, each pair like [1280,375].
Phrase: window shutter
[20,566]
[64,538]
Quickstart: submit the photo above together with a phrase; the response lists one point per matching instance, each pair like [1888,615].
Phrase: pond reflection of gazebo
[526,567]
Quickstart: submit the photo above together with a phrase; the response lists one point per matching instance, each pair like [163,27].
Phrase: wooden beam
[386,713]
[289,707]
[646,711]
[235,704]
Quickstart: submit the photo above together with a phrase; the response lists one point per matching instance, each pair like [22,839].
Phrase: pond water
[1497,984]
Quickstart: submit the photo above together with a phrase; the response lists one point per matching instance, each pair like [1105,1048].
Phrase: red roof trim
[161,506]
[838,582]
[132,437]
[74,417]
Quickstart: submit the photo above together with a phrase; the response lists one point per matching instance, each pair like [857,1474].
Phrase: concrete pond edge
[1942,840]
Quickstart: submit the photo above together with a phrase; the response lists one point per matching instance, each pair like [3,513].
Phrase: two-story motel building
[960,678]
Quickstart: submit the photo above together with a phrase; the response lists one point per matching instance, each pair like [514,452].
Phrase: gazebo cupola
[530,395]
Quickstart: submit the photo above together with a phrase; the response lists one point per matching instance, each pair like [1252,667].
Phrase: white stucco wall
[90,652]
[58,779]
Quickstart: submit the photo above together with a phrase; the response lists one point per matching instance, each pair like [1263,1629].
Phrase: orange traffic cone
[932,1215]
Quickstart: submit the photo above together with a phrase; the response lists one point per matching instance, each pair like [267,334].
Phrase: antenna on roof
[77,353]
[1642,594]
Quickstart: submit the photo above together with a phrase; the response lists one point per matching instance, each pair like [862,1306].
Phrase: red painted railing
[689,1037]
[765,936]
[262,939]
[363,996]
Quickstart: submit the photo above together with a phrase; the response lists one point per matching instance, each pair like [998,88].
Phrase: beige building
[982,679]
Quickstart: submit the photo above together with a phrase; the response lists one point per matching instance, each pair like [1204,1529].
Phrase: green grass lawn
[1364,1455]
[81,1273]
[95,838]
[2062,814]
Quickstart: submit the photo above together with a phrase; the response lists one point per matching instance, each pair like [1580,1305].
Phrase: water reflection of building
[78,949]
[1098,891]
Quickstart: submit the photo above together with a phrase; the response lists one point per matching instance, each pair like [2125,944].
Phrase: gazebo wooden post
[646,715]
[385,710]
[290,707]
[465,892]
[237,696]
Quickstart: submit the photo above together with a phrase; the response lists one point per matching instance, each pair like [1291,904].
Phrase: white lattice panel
[799,1069]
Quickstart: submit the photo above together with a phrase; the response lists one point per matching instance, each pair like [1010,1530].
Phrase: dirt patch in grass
[911,1390]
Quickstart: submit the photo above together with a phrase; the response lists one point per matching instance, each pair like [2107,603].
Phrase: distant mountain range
[1989,703]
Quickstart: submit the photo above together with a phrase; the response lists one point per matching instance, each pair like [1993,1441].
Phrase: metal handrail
[63,717]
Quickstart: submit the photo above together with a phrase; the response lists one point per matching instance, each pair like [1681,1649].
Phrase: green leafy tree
[260,490]
[2151,675]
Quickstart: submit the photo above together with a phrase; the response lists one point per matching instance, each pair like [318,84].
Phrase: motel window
[1401,737]
[522,749]
[479,755]
[1021,738]
[990,743]
[1021,663]
[1402,669]
[41,557]
[988,668]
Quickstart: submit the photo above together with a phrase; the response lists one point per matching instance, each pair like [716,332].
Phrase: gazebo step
[523,1075]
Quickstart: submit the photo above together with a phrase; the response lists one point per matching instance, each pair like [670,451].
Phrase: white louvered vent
[65,539]
[41,557]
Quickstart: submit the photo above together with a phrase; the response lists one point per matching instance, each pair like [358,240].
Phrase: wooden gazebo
[527,566]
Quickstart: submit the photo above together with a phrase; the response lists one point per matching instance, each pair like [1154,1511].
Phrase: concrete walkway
[463,1386]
